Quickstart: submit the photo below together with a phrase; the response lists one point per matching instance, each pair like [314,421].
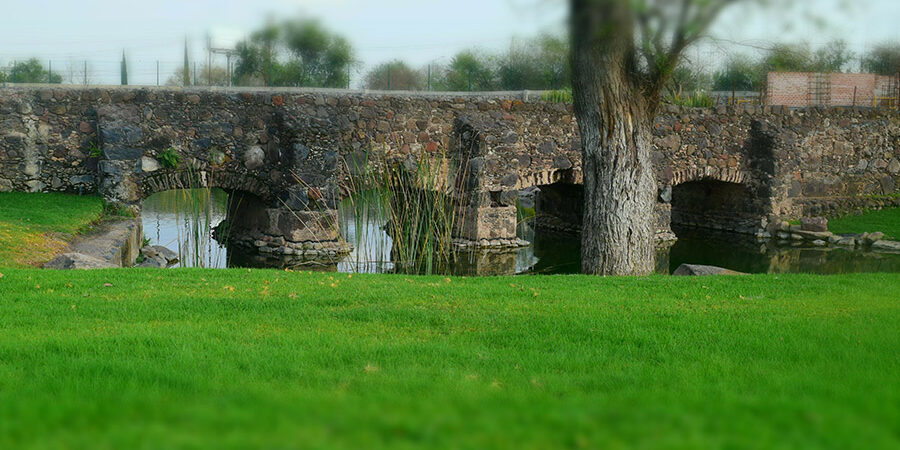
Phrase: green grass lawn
[886,220]
[34,227]
[130,358]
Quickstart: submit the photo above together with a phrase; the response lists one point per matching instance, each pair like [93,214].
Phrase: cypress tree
[124,70]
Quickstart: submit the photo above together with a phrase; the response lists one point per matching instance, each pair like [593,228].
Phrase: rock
[254,158]
[846,242]
[701,270]
[153,263]
[665,194]
[818,224]
[813,235]
[163,256]
[148,164]
[874,237]
[122,154]
[77,261]
[819,243]
[528,197]
[894,166]
[887,246]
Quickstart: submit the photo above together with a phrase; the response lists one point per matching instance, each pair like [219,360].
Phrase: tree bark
[614,118]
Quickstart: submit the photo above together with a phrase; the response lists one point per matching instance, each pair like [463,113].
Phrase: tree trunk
[614,119]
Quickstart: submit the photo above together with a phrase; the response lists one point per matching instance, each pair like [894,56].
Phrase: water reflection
[182,221]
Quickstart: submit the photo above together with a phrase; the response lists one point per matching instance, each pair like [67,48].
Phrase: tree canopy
[294,53]
[883,59]
[394,75]
[31,71]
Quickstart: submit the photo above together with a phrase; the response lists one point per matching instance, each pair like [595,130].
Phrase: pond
[183,220]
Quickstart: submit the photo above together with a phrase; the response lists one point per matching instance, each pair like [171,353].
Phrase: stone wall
[291,149]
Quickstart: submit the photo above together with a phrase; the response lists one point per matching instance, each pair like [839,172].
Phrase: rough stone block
[701,270]
[818,224]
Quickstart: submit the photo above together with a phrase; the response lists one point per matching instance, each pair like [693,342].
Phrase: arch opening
[712,204]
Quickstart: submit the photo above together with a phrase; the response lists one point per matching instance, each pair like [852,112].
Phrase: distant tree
[788,58]
[216,76]
[401,76]
[257,58]
[539,64]
[740,73]
[78,72]
[326,57]
[123,70]
[468,71]
[688,78]
[32,71]
[2,76]
[835,56]
[884,59]
[186,70]
[296,53]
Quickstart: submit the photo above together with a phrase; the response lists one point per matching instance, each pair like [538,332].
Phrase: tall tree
[295,53]
[623,53]
[884,59]
[469,71]
[123,69]
[186,70]
[394,75]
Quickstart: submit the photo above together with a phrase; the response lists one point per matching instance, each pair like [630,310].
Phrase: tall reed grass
[410,200]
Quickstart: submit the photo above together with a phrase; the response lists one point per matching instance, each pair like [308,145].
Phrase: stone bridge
[286,156]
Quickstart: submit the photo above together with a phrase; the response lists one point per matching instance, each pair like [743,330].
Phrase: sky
[66,34]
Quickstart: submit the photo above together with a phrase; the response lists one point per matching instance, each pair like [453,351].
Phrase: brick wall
[804,89]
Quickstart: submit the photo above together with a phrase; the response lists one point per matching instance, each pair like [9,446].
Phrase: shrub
[558,96]
[169,158]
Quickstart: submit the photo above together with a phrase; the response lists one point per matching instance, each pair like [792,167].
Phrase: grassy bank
[886,221]
[238,358]
[34,227]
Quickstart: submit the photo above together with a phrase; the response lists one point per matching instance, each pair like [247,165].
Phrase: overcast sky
[418,31]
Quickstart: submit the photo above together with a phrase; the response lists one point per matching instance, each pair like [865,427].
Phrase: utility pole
[85,72]
[228,52]
[208,60]
[49,72]
[389,77]
[429,76]
[157,72]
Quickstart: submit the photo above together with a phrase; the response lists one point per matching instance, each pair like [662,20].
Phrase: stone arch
[710,173]
[550,176]
[714,198]
[188,179]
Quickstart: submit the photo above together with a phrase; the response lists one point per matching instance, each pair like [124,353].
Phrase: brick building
[804,89]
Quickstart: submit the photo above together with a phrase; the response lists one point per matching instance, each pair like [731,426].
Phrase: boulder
[846,242]
[817,224]
[158,256]
[701,270]
[254,158]
[528,197]
[886,246]
[872,238]
[153,263]
[77,261]
[814,235]
[149,164]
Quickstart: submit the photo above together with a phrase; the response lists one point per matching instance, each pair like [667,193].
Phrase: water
[182,221]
